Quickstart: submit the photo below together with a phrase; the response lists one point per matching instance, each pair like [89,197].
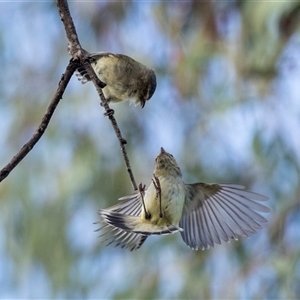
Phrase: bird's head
[148,86]
[166,165]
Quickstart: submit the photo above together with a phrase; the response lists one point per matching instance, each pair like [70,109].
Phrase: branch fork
[79,58]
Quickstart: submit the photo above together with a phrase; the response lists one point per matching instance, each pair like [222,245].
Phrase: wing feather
[219,212]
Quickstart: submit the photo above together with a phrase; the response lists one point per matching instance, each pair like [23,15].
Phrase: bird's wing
[111,235]
[129,205]
[81,73]
[119,64]
[215,212]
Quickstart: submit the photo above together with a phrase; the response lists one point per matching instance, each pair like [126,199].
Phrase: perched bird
[204,214]
[125,78]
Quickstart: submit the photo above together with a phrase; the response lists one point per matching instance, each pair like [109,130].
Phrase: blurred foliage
[226,105]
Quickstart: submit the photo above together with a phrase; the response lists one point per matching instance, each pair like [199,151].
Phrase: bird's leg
[109,111]
[142,192]
[157,186]
[86,60]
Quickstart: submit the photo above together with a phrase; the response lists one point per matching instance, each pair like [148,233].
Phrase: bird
[124,77]
[205,214]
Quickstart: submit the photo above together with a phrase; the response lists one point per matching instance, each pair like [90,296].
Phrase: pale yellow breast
[172,198]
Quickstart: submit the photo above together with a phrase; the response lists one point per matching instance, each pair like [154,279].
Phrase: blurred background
[227,106]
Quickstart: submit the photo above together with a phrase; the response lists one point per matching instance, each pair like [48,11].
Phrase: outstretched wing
[216,212]
[111,235]
[129,205]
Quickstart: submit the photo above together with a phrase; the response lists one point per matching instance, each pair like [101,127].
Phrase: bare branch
[74,45]
[77,52]
[71,68]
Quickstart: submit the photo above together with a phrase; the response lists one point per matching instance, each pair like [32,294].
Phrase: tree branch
[75,48]
[71,68]
[78,57]
[77,52]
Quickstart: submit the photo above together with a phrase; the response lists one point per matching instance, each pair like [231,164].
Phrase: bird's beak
[162,150]
[143,102]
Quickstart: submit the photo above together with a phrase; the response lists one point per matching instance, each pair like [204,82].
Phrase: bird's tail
[135,224]
[81,73]
[128,231]
[111,235]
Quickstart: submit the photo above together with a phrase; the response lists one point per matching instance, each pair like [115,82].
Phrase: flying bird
[204,214]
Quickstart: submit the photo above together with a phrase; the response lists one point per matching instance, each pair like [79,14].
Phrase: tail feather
[114,236]
[135,224]
[82,75]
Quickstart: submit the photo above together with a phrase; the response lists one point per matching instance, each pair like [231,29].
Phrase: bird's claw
[110,112]
[142,189]
[157,186]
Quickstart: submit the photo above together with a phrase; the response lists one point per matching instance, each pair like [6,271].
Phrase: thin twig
[77,52]
[71,68]
[109,114]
